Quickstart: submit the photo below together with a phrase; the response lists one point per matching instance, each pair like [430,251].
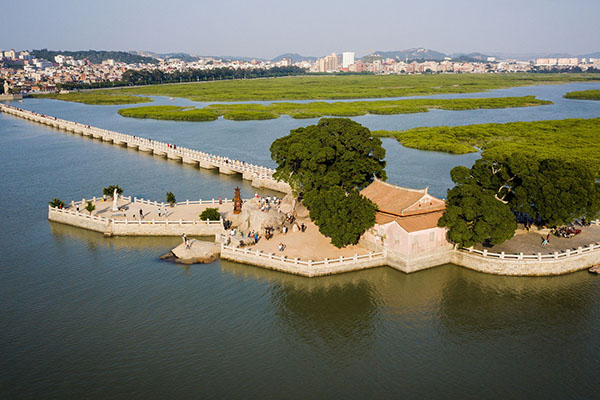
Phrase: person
[547,238]
[183,237]
[159,211]
[187,243]
[285,229]
[303,227]
[141,214]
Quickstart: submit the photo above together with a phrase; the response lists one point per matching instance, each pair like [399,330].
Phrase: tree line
[153,77]
[95,56]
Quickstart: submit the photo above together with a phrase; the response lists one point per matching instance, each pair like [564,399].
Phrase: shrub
[210,214]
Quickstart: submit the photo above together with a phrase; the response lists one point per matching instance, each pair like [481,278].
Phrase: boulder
[200,252]
[252,219]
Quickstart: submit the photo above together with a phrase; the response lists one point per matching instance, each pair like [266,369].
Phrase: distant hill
[94,56]
[295,57]
[591,55]
[417,54]
[471,57]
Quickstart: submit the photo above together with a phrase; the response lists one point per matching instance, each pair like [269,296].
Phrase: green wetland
[570,139]
[584,95]
[343,87]
[250,111]
[95,98]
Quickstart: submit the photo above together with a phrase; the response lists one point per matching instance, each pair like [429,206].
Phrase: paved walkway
[308,245]
[131,210]
[531,242]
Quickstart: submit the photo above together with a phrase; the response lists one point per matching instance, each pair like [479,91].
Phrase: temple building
[406,223]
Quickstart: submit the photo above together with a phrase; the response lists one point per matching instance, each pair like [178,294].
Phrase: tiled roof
[393,199]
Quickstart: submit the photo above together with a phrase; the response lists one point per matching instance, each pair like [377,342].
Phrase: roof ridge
[424,191]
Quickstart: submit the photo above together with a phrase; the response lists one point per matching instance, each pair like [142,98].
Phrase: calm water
[82,316]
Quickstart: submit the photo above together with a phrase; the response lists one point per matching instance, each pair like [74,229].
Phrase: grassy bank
[96,98]
[245,112]
[583,95]
[350,87]
[570,139]
[174,113]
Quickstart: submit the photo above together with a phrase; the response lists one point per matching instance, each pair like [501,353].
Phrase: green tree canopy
[330,162]
[339,215]
[551,191]
[474,215]
[57,203]
[110,190]
[90,207]
[210,214]
[170,197]
[335,152]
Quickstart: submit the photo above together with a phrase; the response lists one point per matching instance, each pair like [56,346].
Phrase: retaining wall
[302,268]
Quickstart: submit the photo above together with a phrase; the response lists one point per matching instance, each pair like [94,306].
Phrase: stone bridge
[261,177]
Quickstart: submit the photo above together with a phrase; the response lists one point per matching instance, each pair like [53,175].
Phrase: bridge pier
[247,175]
[226,170]
[206,165]
[106,139]
[131,145]
[144,149]
[188,160]
[159,153]
[173,156]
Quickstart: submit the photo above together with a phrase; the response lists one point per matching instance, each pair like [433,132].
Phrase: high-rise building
[347,59]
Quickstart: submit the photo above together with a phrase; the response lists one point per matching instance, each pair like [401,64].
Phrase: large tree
[474,215]
[335,152]
[329,163]
[551,192]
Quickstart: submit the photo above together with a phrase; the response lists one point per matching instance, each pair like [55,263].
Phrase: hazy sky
[267,28]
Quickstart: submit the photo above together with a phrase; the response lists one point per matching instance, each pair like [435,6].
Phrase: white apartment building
[347,59]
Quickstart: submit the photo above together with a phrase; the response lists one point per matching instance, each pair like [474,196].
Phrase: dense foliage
[210,214]
[145,77]
[96,98]
[170,197]
[583,95]
[341,216]
[57,203]
[474,215]
[95,56]
[481,208]
[90,207]
[329,163]
[250,111]
[110,190]
[568,139]
[174,113]
[349,86]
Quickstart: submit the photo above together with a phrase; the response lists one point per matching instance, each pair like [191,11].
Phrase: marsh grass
[569,139]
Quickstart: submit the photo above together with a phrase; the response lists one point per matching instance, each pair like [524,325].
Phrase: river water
[83,316]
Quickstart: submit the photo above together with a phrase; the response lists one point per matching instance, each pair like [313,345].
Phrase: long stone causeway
[520,264]
[261,177]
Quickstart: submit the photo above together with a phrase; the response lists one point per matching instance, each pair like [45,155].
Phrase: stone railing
[308,268]
[215,160]
[594,247]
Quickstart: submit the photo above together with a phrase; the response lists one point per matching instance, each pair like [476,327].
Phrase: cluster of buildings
[346,63]
[25,73]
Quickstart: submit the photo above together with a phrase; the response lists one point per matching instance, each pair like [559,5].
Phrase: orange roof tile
[393,199]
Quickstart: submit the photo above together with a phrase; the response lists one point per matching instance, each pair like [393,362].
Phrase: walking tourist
[183,237]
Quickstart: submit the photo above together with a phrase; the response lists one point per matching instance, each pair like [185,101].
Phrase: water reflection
[337,314]
[474,303]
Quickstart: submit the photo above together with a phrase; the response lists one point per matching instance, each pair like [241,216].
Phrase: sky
[268,28]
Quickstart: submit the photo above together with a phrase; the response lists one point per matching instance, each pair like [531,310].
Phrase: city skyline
[266,29]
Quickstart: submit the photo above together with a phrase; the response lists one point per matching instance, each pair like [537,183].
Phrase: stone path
[131,210]
[531,242]
[308,245]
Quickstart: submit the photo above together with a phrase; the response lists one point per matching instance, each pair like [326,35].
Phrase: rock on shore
[200,252]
